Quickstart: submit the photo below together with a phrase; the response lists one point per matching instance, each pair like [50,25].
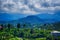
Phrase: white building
[55,33]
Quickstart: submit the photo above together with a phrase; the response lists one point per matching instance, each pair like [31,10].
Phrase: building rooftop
[55,32]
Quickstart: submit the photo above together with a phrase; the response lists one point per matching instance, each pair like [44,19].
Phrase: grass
[16,38]
[40,38]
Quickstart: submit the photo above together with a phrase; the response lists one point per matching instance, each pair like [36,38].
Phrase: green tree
[24,25]
[9,26]
[18,25]
[56,26]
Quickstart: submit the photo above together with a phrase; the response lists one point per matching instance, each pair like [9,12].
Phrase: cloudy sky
[30,6]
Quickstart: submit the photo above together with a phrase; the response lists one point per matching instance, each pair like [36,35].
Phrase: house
[55,34]
[1,27]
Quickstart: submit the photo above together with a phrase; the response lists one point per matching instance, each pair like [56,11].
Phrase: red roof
[0,27]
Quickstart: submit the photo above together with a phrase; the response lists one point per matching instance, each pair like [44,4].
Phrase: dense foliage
[38,32]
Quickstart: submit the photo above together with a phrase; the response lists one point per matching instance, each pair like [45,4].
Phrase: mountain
[10,16]
[20,18]
[45,16]
[37,19]
[57,12]
[29,19]
[49,17]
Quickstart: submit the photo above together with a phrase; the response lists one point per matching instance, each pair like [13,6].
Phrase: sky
[30,7]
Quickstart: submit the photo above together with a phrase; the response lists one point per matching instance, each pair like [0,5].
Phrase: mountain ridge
[40,18]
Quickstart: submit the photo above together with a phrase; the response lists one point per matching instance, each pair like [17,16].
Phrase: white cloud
[31,6]
[37,5]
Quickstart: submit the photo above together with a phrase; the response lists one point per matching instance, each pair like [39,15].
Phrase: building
[1,27]
[55,35]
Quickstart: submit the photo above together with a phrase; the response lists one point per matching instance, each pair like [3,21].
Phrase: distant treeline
[50,26]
